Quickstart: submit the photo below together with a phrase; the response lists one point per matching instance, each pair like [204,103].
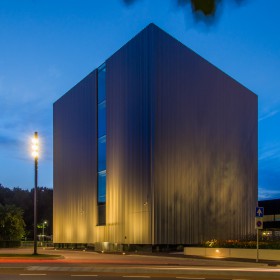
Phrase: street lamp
[35,154]
[44,223]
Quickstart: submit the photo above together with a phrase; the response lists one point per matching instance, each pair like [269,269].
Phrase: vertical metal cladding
[181,152]
[75,189]
[205,148]
[128,142]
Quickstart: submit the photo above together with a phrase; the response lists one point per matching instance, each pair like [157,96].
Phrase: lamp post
[44,223]
[35,154]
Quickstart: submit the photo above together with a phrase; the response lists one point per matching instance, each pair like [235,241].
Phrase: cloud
[269,181]
[269,152]
[265,194]
[129,2]
[7,141]
[268,115]
[25,108]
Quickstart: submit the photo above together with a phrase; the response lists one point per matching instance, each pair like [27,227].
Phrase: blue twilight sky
[47,46]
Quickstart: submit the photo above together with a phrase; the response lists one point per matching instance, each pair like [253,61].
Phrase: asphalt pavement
[81,264]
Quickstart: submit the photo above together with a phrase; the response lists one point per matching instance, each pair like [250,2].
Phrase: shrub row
[9,244]
[250,244]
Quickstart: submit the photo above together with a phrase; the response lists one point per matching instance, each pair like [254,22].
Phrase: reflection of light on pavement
[250,269]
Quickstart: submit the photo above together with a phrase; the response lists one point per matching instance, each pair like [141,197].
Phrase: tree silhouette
[11,223]
[24,199]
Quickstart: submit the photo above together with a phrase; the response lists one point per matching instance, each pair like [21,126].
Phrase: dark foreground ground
[66,264]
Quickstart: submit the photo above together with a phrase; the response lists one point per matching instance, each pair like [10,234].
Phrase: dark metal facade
[75,169]
[128,141]
[205,148]
[181,150]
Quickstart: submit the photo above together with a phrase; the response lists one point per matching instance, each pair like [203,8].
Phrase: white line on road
[190,278]
[32,274]
[240,269]
[84,275]
[137,276]
[14,267]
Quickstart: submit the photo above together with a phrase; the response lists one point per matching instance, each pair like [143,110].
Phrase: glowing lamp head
[35,154]
[35,146]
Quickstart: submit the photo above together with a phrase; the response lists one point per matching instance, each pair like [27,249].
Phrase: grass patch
[31,256]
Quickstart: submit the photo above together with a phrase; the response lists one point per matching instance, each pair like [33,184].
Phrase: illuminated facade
[156,146]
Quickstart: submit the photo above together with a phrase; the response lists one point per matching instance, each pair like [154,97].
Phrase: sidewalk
[167,259]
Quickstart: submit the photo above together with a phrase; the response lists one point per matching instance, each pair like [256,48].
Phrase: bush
[10,244]
[11,223]
[249,243]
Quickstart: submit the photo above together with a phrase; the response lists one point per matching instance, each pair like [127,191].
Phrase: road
[91,265]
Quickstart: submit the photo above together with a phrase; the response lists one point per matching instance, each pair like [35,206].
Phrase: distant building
[271,219]
[156,146]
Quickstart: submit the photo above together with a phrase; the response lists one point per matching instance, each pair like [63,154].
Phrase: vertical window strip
[101,144]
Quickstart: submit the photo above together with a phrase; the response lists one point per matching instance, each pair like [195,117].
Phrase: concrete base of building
[118,247]
[264,254]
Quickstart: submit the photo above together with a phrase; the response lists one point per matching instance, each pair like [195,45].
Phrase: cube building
[156,146]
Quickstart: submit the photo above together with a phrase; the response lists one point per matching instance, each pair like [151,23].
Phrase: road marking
[32,274]
[190,278]
[84,275]
[14,267]
[137,276]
